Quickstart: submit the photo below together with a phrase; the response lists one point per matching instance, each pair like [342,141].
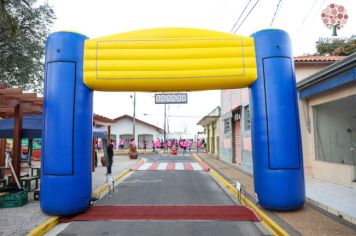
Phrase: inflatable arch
[169,59]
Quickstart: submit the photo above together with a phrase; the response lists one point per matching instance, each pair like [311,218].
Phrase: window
[227,125]
[335,131]
[247,119]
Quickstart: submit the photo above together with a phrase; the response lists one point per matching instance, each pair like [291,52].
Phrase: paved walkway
[306,221]
[19,221]
[335,198]
[156,190]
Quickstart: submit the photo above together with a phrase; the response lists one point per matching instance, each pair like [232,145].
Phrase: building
[122,128]
[211,124]
[235,143]
[327,104]
[236,128]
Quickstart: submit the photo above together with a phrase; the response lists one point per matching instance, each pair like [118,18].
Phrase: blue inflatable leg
[276,141]
[67,128]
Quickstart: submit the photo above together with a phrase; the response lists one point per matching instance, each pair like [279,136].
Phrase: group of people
[182,144]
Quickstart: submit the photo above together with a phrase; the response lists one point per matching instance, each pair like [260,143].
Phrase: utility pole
[165,119]
[134,116]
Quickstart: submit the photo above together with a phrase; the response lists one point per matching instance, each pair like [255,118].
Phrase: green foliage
[336,46]
[24,26]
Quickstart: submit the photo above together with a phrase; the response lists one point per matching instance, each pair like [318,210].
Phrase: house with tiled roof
[307,65]
[235,127]
[121,128]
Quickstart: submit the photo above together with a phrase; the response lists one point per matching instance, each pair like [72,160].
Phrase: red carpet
[102,213]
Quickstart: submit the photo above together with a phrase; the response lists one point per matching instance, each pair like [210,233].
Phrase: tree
[24,26]
[336,46]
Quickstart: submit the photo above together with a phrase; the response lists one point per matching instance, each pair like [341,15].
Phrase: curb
[53,221]
[265,220]
[44,227]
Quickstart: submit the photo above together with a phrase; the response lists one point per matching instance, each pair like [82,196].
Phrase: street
[166,187]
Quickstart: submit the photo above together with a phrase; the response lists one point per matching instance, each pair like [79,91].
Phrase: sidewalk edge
[44,227]
[53,221]
[266,220]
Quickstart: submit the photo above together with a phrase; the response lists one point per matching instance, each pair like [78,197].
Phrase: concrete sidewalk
[310,220]
[19,221]
[334,198]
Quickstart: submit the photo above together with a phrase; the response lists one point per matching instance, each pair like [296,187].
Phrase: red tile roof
[102,119]
[318,58]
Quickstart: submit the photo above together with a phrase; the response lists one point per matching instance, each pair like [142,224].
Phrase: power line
[248,3]
[246,16]
[307,15]
[275,12]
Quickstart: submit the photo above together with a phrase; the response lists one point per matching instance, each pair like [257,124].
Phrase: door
[236,142]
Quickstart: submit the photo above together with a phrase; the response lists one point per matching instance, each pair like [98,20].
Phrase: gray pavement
[165,188]
[168,188]
[335,198]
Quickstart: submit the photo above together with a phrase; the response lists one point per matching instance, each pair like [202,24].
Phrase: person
[162,145]
[95,158]
[158,144]
[184,144]
[110,150]
[122,143]
[100,145]
[153,146]
[169,144]
[144,145]
[133,154]
[189,145]
[197,145]
[181,144]
[7,156]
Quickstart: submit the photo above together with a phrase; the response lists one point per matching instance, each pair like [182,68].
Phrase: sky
[301,19]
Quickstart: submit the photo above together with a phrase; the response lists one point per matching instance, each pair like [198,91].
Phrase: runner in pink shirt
[197,145]
[158,143]
[122,143]
[184,144]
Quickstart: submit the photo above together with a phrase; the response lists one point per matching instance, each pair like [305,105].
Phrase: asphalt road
[166,188]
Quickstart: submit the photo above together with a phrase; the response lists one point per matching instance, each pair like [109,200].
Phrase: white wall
[124,126]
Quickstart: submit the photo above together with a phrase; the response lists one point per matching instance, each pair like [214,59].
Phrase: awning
[207,120]
[334,76]
[97,133]
[31,127]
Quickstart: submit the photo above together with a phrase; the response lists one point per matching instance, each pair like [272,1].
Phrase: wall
[230,100]
[303,70]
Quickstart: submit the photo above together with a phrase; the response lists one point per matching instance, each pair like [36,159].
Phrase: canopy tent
[97,133]
[32,128]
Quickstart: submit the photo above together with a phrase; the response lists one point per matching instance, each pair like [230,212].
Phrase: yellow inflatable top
[169,59]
